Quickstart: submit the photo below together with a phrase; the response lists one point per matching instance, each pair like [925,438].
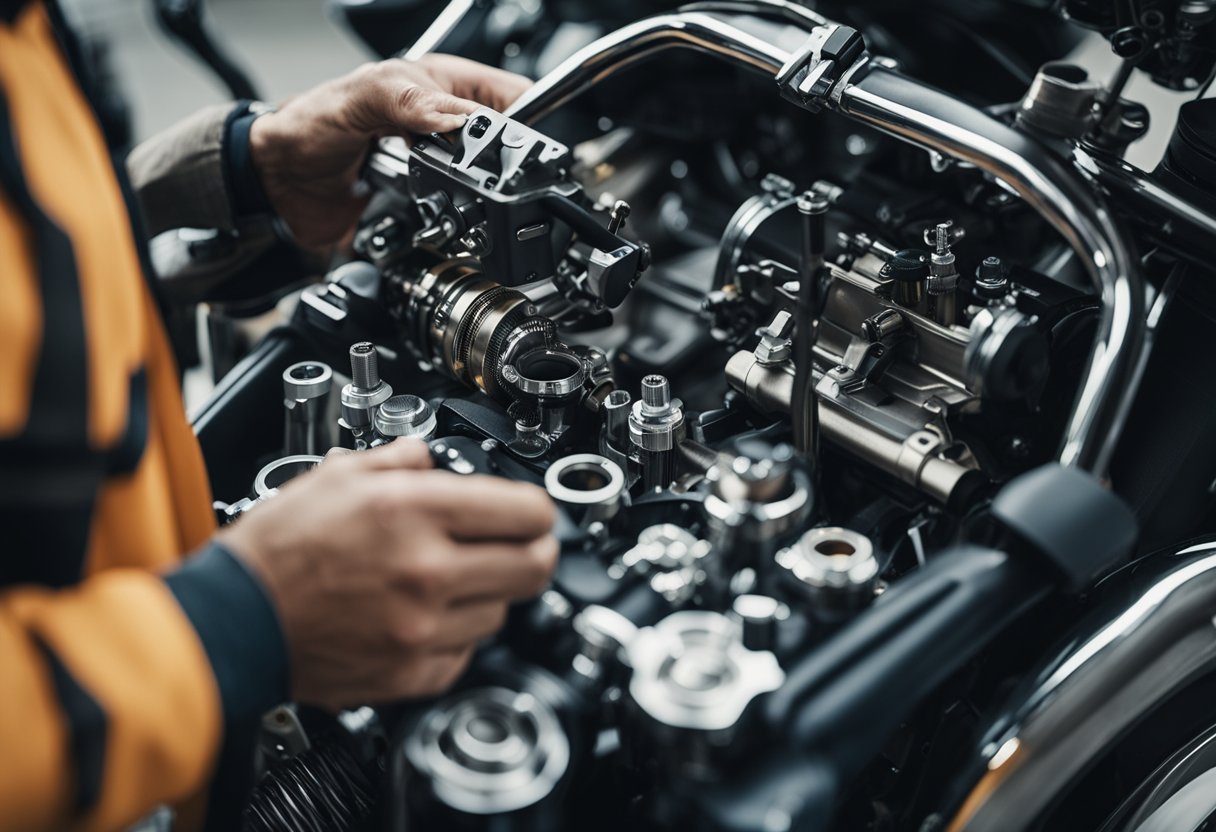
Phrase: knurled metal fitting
[657,420]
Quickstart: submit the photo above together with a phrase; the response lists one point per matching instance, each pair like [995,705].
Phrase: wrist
[239,628]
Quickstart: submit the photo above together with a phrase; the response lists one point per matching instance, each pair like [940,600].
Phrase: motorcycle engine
[766,381]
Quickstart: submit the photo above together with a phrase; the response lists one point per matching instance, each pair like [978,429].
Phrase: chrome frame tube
[1149,197]
[1125,662]
[921,115]
[442,26]
[698,31]
[907,109]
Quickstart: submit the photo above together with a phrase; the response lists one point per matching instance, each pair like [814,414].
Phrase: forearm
[178,175]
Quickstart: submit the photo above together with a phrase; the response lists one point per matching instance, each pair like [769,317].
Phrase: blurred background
[286,46]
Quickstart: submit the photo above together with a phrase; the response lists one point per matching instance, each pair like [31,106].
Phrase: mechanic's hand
[386,574]
[308,154]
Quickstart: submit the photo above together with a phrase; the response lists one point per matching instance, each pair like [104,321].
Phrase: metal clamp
[812,73]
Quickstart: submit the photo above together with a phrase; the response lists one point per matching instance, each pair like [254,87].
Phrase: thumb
[421,110]
[404,453]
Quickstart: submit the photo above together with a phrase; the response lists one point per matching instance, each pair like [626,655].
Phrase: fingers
[428,675]
[468,507]
[504,571]
[431,95]
[417,109]
[486,85]
[405,453]
[466,624]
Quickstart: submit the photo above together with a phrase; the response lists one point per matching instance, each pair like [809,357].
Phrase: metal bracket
[811,74]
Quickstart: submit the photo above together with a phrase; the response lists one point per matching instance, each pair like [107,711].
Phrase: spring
[324,789]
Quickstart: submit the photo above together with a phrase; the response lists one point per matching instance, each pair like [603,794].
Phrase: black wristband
[245,192]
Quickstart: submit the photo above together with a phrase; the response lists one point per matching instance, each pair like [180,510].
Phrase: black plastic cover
[1082,528]
[1191,155]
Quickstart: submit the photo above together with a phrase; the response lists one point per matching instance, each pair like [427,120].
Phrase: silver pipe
[439,30]
[932,119]
[610,54]
[1128,661]
[771,388]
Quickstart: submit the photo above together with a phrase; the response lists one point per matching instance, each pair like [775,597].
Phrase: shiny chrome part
[1128,660]
[306,387]
[307,380]
[443,25]
[877,96]
[616,417]
[603,635]
[701,32]
[592,487]
[692,672]
[489,750]
[366,391]
[471,327]
[657,420]
[1148,197]
[759,618]
[942,282]
[405,415]
[836,568]
[275,475]
[912,457]
[546,372]
[754,501]
[673,558]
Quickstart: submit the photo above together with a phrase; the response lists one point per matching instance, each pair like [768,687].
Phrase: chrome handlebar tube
[907,109]
[1134,653]
[712,34]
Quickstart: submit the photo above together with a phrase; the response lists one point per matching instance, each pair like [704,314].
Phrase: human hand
[308,153]
[386,574]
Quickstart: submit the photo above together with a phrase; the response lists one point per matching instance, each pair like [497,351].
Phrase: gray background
[287,46]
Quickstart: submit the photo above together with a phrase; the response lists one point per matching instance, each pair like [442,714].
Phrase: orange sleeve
[110,704]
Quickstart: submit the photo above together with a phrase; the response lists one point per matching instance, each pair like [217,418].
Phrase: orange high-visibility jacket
[120,667]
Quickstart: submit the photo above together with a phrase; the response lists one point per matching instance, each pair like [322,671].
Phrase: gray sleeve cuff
[178,175]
